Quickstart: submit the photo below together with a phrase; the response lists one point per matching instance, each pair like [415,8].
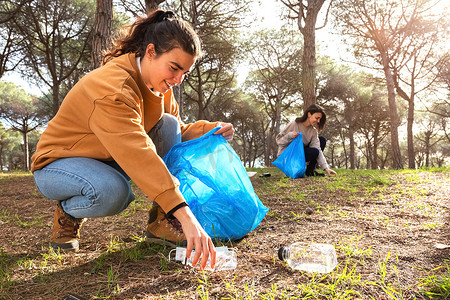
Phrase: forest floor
[386,227]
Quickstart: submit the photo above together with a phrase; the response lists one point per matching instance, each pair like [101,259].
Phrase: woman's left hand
[227,130]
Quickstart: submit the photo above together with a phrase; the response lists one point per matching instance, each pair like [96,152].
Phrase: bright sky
[328,43]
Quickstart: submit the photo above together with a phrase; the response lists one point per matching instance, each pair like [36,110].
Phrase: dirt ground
[396,223]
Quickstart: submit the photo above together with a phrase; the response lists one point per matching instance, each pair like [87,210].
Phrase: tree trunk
[411,151]
[55,96]
[427,149]
[268,141]
[270,144]
[178,94]
[276,130]
[410,119]
[369,154]
[151,5]
[102,31]
[308,30]
[393,115]
[376,132]
[1,155]
[309,68]
[201,114]
[245,154]
[352,147]
[344,148]
[332,155]
[26,156]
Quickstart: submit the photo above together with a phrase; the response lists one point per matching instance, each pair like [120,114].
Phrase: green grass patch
[437,286]
[5,272]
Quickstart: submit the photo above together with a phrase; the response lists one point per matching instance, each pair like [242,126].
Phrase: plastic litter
[225,259]
[292,161]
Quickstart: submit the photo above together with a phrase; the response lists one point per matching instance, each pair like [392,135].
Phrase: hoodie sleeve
[285,138]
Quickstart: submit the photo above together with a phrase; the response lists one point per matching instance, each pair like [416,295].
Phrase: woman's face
[314,118]
[162,72]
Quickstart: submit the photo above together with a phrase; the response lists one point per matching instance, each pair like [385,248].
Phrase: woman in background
[312,121]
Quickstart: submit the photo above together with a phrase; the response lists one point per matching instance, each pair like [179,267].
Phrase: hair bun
[168,14]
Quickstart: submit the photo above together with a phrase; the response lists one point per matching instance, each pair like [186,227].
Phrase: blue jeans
[90,188]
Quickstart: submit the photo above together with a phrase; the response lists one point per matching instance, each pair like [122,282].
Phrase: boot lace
[68,228]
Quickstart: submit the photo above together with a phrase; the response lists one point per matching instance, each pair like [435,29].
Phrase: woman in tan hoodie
[116,124]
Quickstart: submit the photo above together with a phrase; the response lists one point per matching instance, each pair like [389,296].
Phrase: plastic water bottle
[225,259]
[310,257]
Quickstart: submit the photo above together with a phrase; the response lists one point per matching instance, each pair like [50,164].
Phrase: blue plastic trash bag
[216,186]
[292,160]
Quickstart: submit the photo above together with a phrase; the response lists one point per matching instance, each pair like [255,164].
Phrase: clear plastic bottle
[225,259]
[309,257]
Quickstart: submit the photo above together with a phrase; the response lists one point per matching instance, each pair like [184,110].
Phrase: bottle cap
[283,253]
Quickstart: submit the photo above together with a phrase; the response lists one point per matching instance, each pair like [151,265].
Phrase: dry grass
[384,226]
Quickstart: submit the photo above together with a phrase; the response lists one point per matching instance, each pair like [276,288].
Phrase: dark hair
[161,28]
[312,109]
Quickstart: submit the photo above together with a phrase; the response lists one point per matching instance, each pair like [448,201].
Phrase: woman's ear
[150,51]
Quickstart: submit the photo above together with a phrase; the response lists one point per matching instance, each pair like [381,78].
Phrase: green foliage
[56,46]
[436,286]
[209,89]
[34,222]
[248,119]
[22,112]
[18,108]
[351,249]
[5,272]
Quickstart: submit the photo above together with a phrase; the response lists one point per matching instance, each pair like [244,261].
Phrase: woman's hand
[196,238]
[330,172]
[294,134]
[227,130]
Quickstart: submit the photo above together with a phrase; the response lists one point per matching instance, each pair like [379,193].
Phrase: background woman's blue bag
[216,186]
[292,160]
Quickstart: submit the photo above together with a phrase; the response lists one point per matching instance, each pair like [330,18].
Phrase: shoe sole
[74,246]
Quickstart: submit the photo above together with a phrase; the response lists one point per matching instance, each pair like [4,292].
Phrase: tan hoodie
[106,116]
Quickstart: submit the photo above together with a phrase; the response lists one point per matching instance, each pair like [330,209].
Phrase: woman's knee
[165,134]
[109,196]
[112,197]
[311,154]
[171,122]
[87,187]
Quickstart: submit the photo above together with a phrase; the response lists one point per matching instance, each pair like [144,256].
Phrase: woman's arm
[285,137]
[196,238]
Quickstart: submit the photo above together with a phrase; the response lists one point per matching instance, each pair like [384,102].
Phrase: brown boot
[66,230]
[163,230]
